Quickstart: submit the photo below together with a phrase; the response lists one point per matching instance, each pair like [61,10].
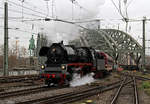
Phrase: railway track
[115,99]
[23,92]
[10,79]
[136,97]
[73,96]
[136,76]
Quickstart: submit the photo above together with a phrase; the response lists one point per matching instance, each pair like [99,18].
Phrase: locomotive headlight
[43,67]
[63,67]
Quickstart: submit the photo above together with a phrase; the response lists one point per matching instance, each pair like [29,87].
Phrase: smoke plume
[78,81]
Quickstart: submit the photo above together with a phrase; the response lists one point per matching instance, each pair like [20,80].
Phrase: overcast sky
[63,9]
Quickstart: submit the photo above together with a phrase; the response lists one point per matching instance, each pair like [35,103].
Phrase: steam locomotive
[65,60]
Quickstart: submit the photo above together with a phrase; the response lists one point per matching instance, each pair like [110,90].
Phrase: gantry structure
[121,46]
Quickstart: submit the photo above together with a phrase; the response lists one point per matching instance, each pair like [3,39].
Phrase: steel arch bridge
[120,45]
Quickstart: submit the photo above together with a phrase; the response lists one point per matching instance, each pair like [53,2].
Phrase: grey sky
[63,9]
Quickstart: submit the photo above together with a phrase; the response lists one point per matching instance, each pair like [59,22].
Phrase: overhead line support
[5,62]
[143,53]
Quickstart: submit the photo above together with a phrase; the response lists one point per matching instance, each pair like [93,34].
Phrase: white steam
[78,81]
[63,9]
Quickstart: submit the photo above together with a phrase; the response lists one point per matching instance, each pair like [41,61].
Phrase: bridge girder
[116,43]
[125,43]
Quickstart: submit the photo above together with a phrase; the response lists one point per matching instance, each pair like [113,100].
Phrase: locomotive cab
[100,61]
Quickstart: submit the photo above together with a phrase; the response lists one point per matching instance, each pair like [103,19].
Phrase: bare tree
[16,57]
[12,57]
[23,56]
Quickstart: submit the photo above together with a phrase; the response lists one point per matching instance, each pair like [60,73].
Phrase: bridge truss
[121,46]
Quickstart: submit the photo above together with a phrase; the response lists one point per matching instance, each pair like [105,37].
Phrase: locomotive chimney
[61,42]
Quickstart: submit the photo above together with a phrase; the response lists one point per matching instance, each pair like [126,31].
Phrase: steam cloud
[78,81]
[63,9]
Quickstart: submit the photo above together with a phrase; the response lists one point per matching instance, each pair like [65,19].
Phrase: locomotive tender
[65,60]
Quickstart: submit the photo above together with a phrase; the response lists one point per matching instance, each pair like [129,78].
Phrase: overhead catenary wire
[81,21]
[72,10]
[60,20]
[27,8]
[18,19]
[15,18]
[24,31]
[12,10]
[81,7]
[55,10]
[31,5]
[17,29]
[52,8]
[29,13]
[129,3]
[47,6]
[118,9]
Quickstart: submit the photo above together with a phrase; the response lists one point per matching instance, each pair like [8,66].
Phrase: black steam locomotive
[65,60]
